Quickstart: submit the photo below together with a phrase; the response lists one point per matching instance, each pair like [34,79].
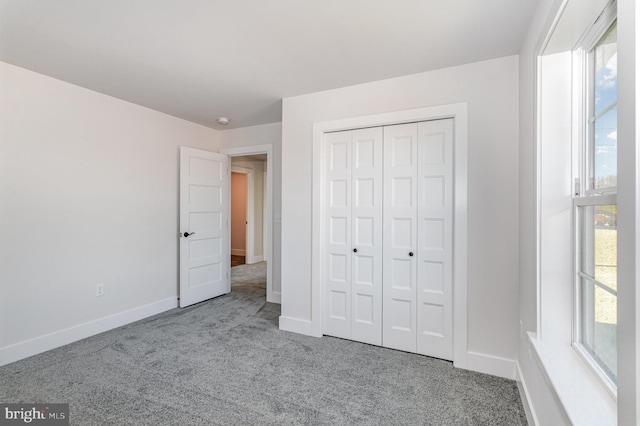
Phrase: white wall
[542,399]
[88,195]
[556,197]
[629,213]
[491,90]
[266,134]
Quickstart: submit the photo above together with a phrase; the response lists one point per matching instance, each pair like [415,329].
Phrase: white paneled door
[204,225]
[366,225]
[400,236]
[389,236]
[338,259]
[434,254]
[353,266]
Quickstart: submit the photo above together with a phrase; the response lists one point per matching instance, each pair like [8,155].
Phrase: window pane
[606,246]
[599,243]
[599,323]
[606,70]
[586,245]
[598,251]
[604,118]
[605,150]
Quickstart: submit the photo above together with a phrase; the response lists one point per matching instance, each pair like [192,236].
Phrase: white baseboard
[493,365]
[532,419]
[274,297]
[238,252]
[295,325]
[63,337]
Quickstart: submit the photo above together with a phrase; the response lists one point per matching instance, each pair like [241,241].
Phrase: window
[576,210]
[595,203]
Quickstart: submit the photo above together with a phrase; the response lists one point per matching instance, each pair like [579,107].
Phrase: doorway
[241,207]
[247,213]
[257,162]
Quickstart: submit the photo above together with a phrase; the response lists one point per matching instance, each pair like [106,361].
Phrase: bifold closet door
[418,236]
[434,256]
[353,235]
[400,236]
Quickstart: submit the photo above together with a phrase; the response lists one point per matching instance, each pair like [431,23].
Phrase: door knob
[355,250]
[186,234]
[410,253]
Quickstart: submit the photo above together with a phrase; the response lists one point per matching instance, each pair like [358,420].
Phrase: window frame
[583,163]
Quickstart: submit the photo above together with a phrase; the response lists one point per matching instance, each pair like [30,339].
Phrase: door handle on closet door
[410,254]
[355,250]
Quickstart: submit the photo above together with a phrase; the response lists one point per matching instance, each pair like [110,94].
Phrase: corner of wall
[492,365]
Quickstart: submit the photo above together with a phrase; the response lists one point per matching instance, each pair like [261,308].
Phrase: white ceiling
[201,59]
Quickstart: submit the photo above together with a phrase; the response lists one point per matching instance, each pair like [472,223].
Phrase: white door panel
[204,254]
[354,247]
[435,237]
[337,282]
[400,239]
[366,213]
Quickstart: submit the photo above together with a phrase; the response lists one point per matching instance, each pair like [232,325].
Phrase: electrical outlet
[99,290]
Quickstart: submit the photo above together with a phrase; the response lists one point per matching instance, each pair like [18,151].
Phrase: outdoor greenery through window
[596,210]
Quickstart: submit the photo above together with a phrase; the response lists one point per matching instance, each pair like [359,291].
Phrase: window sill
[583,397]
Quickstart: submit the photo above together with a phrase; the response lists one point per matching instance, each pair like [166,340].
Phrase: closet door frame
[459,113]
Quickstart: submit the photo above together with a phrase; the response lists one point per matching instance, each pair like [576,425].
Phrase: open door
[204,225]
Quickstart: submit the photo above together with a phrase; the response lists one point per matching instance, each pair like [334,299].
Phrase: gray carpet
[224,362]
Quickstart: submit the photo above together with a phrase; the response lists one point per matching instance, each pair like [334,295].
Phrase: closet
[388,243]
